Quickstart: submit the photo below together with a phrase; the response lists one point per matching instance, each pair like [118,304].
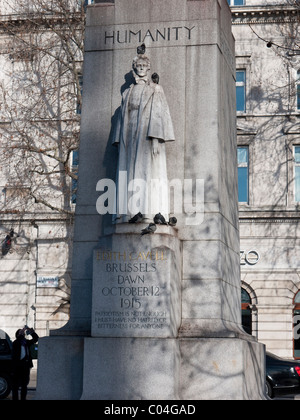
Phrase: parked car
[5,364]
[283,376]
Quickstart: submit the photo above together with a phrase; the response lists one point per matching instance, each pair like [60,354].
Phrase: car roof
[280,360]
[4,336]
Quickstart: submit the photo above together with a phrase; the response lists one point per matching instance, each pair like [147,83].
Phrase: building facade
[40,83]
[268,139]
[41,46]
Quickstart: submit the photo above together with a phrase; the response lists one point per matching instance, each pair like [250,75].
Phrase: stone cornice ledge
[264,14]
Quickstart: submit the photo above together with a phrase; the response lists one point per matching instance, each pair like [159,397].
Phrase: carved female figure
[143,127]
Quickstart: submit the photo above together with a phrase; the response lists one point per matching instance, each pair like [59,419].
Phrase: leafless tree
[40,97]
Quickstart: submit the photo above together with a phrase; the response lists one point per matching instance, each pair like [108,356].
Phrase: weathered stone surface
[136,286]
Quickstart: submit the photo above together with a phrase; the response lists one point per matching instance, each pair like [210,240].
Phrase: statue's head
[141,65]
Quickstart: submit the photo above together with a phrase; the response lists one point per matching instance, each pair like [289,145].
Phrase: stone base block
[131,369]
[60,368]
[170,369]
[222,369]
[73,368]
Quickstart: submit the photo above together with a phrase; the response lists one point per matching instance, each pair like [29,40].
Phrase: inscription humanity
[128,36]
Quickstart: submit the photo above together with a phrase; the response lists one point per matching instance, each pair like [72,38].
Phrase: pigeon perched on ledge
[159,219]
[149,229]
[136,219]
[172,221]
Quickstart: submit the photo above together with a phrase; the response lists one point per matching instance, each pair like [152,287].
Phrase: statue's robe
[144,115]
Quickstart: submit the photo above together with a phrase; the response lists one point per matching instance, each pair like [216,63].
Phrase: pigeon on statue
[141,49]
[155,78]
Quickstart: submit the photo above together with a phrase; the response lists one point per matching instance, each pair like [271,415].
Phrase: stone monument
[156,294]
[142,128]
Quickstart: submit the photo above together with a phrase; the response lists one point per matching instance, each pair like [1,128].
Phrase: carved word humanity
[128,36]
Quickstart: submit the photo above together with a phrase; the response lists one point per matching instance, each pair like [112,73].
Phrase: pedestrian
[22,361]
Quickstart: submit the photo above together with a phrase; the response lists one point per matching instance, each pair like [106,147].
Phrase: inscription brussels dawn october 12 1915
[131,292]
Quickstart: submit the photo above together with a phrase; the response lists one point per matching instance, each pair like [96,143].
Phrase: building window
[236,2]
[297,172]
[79,94]
[297,326]
[246,312]
[84,3]
[241,90]
[75,161]
[243,173]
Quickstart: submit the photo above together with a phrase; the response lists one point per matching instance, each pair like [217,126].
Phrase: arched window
[297,326]
[246,312]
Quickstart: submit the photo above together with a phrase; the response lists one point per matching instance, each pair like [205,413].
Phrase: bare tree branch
[40,120]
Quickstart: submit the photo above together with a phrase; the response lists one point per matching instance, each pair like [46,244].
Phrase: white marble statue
[143,126]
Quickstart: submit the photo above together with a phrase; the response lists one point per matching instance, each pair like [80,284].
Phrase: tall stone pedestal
[158,316]
[170,369]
